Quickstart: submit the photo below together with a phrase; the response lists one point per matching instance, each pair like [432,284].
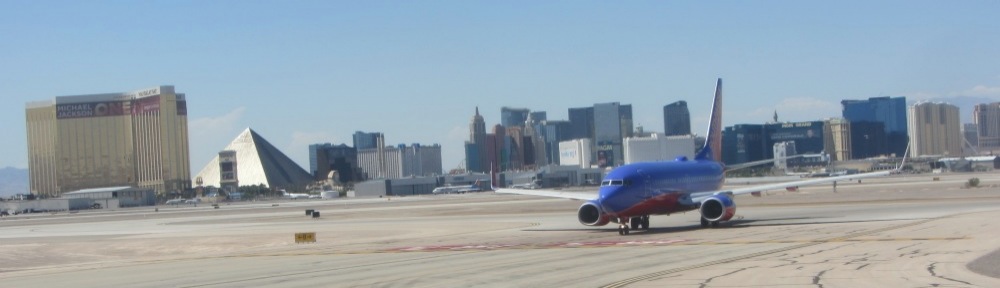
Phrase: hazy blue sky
[303,72]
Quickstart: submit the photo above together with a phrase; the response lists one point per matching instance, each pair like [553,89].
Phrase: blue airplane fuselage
[653,188]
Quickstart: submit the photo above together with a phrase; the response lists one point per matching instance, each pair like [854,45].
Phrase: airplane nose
[611,198]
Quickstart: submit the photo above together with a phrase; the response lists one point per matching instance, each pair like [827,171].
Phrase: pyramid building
[257,162]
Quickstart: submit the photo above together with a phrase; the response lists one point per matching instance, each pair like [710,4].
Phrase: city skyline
[317,72]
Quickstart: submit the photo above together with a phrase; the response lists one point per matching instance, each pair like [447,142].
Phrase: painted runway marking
[490,247]
[592,244]
[610,244]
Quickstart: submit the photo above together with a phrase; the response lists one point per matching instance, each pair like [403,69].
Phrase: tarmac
[898,231]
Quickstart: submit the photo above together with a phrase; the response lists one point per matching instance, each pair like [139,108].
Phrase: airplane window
[616,182]
[606,183]
[627,182]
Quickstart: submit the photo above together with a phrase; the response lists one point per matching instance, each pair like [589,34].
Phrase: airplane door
[646,185]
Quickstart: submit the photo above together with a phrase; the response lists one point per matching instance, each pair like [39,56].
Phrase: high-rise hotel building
[987,126]
[934,129]
[138,138]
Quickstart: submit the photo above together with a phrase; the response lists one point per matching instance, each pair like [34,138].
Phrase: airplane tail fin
[493,179]
[713,139]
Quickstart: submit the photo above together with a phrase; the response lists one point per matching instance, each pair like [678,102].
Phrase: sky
[306,72]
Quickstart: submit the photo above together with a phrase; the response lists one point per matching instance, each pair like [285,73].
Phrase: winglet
[906,154]
[493,179]
[713,140]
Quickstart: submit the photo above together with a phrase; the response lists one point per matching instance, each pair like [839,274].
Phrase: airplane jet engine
[591,214]
[718,208]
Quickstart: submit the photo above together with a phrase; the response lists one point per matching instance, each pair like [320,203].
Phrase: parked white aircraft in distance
[177,201]
[294,195]
[457,189]
[531,185]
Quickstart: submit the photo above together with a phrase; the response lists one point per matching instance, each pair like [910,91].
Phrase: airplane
[294,195]
[531,185]
[175,201]
[629,194]
[457,189]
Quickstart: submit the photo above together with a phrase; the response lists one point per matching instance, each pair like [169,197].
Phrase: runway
[902,231]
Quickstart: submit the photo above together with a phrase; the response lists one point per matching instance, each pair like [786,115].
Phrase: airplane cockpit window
[616,182]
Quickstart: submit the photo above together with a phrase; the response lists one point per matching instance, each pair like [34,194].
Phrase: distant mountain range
[13,181]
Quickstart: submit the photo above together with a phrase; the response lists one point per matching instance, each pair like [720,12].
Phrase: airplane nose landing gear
[623,227]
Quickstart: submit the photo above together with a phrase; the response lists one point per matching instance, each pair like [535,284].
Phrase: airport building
[934,130]
[676,119]
[658,147]
[395,187]
[420,185]
[137,139]
[115,197]
[95,198]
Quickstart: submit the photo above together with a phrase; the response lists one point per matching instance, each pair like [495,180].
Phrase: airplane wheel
[621,231]
[625,230]
[704,222]
[645,223]
[635,222]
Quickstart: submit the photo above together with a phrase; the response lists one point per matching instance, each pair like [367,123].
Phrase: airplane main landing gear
[640,222]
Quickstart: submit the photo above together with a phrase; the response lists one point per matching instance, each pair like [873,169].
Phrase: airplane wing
[699,196]
[586,196]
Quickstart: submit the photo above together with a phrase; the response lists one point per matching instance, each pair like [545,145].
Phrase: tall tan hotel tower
[136,139]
